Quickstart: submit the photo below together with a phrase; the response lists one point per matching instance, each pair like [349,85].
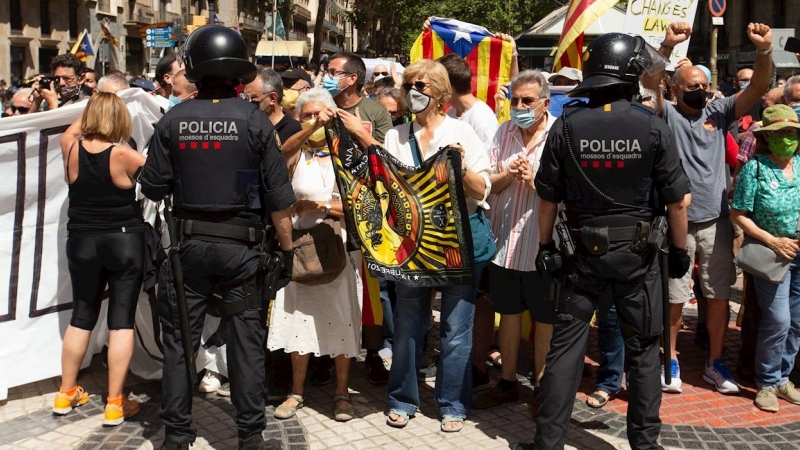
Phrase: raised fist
[760,35]
[677,33]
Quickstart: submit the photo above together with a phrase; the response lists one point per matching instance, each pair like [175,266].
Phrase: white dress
[324,319]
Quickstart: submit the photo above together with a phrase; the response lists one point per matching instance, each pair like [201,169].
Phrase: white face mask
[417,101]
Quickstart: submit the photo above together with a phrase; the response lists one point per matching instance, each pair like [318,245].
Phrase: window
[73,19]
[104,5]
[16,15]
[300,27]
[44,10]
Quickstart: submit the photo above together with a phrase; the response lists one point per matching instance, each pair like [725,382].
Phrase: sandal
[600,399]
[285,411]
[496,361]
[342,414]
[452,419]
[401,420]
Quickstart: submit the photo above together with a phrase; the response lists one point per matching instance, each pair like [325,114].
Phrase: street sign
[717,21]
[717,7]
[164,37]
[780,57]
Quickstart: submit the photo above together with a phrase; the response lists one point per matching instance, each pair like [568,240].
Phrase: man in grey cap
[567,76]
[295,82]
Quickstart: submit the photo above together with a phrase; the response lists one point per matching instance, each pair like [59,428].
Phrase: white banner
[650,19]
[33,264]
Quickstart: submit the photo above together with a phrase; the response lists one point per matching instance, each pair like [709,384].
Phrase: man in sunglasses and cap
[217,156]
[612,164]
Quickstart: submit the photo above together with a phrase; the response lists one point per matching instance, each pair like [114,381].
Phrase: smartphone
[792,45]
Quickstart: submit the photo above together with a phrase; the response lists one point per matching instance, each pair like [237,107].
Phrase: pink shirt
[513,211]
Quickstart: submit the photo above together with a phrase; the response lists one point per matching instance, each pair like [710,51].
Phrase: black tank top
[95,203]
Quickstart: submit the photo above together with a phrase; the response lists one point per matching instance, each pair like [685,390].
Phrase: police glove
[286,272]
[678,261]
[548,259]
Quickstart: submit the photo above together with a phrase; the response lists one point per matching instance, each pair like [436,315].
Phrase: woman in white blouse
[427,89]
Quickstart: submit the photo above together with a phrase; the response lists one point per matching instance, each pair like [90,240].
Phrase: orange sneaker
[65,402]
[116,414]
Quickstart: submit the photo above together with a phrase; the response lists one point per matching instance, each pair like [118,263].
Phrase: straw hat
[778,117]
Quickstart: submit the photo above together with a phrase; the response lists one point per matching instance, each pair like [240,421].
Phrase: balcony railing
[251,23]
[166,16]
[139,14]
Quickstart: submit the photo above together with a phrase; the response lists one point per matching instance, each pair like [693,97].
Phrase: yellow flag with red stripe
[488,57]
[580,15]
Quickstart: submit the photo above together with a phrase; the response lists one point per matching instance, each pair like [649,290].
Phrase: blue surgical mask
[173,100]
[743,85]
[796,109]
[524,118]
[331,85]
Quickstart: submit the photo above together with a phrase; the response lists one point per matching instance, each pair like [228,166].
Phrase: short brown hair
[106,117]
[440,83]
[459,73]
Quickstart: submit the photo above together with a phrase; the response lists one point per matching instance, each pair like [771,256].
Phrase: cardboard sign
[651,18]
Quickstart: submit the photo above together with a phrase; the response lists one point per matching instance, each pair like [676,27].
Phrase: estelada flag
[83,47]
[410,222]
[580,15]
[107,34]
[488,57]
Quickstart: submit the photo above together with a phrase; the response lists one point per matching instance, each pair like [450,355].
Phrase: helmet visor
[650,60]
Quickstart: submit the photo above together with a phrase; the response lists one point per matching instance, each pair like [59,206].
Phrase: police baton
[180,292]
[664,262]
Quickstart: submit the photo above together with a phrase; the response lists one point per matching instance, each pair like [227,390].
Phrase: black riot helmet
[218,51]
[617,58]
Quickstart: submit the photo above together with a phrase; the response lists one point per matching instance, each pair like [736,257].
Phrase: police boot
[256,442]
[175,446]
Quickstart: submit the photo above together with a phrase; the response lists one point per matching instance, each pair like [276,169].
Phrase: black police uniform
[628,154]
[217,155]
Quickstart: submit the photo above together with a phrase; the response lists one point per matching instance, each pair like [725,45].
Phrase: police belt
[618,234]
[224,233]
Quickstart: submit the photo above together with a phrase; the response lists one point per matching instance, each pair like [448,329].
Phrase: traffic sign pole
[717,9]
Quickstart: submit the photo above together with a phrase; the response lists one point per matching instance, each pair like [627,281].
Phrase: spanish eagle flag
[83,47]
[580,15]
[488,57]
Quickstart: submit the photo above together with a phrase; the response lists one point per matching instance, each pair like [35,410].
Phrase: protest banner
[651,18]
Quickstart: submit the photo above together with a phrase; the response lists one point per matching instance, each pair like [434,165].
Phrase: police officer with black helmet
[218,157]
[613,165]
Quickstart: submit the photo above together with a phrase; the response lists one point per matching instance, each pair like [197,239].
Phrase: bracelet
[671,47]
[766,52]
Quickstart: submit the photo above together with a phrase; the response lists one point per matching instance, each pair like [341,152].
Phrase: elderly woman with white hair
[320,318]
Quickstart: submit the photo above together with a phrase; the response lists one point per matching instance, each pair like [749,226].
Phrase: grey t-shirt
[700,141]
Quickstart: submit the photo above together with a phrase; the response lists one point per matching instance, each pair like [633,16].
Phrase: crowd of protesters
[430,105]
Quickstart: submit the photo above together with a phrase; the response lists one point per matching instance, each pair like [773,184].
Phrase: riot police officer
[612,163]
[217,156]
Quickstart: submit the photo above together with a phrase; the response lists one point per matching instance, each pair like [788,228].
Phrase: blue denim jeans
[779,334]
[612,348]
[453,389]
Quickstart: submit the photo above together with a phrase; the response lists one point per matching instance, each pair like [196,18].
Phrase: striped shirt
[514,224]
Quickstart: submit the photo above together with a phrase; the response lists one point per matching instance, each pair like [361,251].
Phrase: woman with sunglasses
[426,88]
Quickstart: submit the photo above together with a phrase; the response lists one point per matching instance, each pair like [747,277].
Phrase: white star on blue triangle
[460,39]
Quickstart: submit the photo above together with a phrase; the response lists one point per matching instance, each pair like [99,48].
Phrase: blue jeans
[779,334]
[612,348]
[453,389]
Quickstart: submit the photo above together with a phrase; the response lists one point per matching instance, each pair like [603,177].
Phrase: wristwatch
[766,52]
[327,207]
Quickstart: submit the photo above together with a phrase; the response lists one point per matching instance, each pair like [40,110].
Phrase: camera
[45,83]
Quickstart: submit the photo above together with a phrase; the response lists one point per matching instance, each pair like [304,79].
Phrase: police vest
[611,145]
[215,166]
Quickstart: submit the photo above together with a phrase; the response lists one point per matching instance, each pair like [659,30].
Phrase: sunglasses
[526,101]
[21,109]
[380,73]
[418,85]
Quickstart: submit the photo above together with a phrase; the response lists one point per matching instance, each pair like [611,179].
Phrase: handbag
[483,245]
[319,254]
[755,258]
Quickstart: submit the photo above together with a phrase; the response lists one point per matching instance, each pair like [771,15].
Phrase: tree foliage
[391,26]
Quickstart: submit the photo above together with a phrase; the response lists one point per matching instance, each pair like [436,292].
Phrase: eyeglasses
[418,85]
[252,97]
[334,72]
[380,73]
[526,101]
[21,109]
[66,79]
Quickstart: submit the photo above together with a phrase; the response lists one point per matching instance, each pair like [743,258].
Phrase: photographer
[62,88]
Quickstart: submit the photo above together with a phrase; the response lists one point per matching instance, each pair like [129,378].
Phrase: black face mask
[695,99]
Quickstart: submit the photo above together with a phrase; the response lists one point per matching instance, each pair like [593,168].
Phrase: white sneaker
[675,386]
[210,382]
[717,374]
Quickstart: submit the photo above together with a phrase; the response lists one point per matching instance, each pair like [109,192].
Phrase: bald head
[690,78]
[380,68]
[772,97]
[743,78]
